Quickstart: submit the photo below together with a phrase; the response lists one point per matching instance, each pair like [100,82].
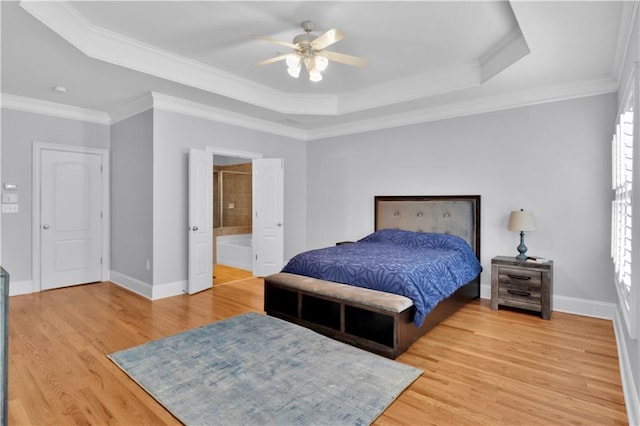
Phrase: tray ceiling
[426,59]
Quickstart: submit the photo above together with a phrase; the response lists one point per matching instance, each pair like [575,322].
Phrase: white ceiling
[427,59]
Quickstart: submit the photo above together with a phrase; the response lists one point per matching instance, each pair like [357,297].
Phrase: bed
[361,315]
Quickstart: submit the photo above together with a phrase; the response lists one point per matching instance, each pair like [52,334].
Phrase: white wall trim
[225,152]
[441,112]
[38,147]
[133,284]
[53,109]
[141,104]
[160,291]
[571,305]
[194,109]
[471,107]
[588,308]
[629,391]
[17,288]
[144,289]
[627,21]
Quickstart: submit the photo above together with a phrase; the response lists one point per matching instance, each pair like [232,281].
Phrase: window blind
[622,204]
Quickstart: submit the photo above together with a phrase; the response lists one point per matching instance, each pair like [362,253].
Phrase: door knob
[45,226]
[279,224]
[195,228]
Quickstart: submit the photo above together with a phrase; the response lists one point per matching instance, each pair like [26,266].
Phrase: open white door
[200,221]
[268,223]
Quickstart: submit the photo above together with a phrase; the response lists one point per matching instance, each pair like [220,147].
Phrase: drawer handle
[519,277]
[519,293]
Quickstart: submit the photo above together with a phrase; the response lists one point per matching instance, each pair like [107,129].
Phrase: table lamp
[522,221]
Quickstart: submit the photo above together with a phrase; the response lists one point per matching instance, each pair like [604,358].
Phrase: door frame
[38,147]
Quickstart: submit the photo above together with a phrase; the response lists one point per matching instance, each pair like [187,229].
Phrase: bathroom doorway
[232,212]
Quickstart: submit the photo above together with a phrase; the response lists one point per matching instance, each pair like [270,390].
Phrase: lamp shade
[522,220]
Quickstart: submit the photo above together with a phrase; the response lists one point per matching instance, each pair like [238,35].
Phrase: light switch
[9,208]
[9,197]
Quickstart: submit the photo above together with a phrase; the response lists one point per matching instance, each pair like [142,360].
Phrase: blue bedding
[425,267]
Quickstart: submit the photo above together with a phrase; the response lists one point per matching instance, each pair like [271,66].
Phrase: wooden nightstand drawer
[519,276]
[518,296]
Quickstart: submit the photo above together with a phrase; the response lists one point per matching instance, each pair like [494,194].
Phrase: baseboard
[628,385]
[160,291]
[572,305]
[17,288]
[152,292]
[588,308]
[133,284]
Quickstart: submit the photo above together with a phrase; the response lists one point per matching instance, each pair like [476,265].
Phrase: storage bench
[373,320]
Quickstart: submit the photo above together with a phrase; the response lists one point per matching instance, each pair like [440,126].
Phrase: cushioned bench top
[364,296]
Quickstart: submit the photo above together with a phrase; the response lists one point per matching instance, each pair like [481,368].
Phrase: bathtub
[235,250]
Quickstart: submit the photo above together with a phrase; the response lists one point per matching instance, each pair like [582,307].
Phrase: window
[622,240]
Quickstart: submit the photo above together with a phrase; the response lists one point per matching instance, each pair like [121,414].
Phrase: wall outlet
[10,208]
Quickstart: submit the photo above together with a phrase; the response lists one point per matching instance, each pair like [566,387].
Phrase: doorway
[232,212]
[231,160]
[267,215]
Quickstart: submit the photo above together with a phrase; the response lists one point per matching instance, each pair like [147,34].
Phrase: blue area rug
[258,370]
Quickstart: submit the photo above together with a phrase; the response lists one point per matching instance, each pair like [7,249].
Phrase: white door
[268,223]
[200,221]
[70,218]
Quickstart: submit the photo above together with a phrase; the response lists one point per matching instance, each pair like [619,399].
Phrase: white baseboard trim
[626,375]
[588,308]
[17,288]
[133,284]
[571,305]
[152,292]
[161,291]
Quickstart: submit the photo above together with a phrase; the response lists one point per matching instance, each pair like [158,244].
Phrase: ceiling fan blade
[345,59]
[275,59]
[275,40]
[327,39]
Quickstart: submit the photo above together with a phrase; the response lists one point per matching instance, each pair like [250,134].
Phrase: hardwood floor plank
[481,367]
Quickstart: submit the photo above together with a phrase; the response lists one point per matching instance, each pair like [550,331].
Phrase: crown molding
[627,20]
[194,109]
[503,54]
[53,109]
[472,107]
[416,87]
[139,105]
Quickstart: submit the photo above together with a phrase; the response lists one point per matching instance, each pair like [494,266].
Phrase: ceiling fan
[309,50]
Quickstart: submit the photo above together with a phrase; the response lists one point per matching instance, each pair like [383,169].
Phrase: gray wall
[19,131]
[553,159]
[132,197]
[174,134]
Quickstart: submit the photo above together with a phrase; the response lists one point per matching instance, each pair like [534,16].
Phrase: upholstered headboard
[455,214]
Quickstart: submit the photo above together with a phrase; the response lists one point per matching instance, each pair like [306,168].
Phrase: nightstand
[521,284]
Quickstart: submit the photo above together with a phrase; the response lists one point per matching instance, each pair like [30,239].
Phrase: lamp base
[522,249]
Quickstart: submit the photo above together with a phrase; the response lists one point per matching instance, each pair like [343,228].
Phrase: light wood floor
[223,274]
[480,366]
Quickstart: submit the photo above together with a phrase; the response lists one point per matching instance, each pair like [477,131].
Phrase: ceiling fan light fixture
[293,61]
[321,62]
[294,71]
[314,75]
